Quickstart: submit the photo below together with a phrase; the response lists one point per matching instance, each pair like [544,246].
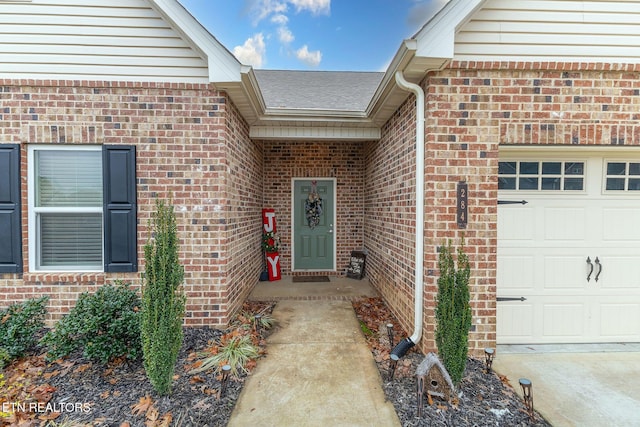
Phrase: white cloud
[310,58]
[285,35]
[277,12]
[280,19]
[252,52]
[316,7]
[261,9]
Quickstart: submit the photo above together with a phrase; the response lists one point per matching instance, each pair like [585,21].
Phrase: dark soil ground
[119,394]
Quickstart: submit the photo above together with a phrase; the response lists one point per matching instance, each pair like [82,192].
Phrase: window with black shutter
[82,208]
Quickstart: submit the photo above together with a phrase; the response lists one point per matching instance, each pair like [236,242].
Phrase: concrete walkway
[579,385]
[318,371]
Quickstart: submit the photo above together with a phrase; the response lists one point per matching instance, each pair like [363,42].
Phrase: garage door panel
[564,224]
[516,321]
[564,273]
[620,224]
[516,224]
[620,272]
[564,320]
[543,248]
[516,272]
[619,321]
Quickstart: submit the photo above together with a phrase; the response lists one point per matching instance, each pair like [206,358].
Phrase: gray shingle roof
[321,90]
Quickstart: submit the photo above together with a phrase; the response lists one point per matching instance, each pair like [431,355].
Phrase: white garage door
[573,251]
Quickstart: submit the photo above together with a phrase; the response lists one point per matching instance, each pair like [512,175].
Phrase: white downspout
[419,248]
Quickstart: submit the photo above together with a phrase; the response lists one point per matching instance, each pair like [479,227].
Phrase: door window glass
[622,176]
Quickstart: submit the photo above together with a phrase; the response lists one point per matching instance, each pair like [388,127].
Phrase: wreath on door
[313,206]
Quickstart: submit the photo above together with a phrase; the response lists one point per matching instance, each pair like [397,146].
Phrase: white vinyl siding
[560,30]
[93,39]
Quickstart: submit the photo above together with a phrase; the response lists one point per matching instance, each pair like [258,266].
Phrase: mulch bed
[483,399]
[119,394]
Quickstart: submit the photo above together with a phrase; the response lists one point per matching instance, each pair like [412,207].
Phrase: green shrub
[18,325]
[105,324]
[453,313]
[163,302]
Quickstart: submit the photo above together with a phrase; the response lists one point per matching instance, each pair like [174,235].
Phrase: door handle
[591,270]
[599,264]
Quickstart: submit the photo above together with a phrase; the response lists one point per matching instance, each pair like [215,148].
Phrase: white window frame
[33,211]
[540,175]
[626,177]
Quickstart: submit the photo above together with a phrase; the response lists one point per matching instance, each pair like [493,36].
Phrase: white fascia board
[252,89]
[437,38]
[333,133]
[311,113]
[403,56]
[223,66]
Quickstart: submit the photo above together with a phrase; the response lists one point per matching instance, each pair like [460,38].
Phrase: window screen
[68,205]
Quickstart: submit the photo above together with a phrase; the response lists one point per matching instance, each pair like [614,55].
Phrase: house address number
[463,204]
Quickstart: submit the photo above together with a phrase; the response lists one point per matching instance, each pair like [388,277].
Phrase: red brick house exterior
[204,144]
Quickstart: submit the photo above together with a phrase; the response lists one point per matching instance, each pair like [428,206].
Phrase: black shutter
[120,223]
[10,226]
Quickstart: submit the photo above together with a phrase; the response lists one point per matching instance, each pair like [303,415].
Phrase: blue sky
[355,35]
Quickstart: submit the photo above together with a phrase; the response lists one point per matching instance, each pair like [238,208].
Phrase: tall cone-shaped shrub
[163,302]
[453,313]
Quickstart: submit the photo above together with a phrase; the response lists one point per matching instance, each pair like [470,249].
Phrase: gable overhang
[432,48]
[222,65]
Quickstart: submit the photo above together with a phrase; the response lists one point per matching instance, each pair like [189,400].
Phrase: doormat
[298,279]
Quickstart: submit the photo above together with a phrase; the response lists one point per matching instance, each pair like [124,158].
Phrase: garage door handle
[591,270]
[599,268]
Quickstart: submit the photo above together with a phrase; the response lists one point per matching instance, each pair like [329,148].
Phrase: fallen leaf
[105,394]
[43,393]
[80,369]
[152,416]
[113,381]
[202,404]
[117,393]
[196,379]
[142,406]
[49,416]
[49,375]
[165,421]
[125,424]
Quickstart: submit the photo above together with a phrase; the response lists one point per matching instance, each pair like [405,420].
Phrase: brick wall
[472,108]
[244,195]
[341,160]
[390,212]
[181,133]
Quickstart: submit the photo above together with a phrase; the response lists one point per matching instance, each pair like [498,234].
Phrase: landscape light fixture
[226,370]
[488,358]
[393,362]
[257,320]
[527,395]
[390,334]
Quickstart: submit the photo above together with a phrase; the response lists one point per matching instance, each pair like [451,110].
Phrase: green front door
[313,235]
